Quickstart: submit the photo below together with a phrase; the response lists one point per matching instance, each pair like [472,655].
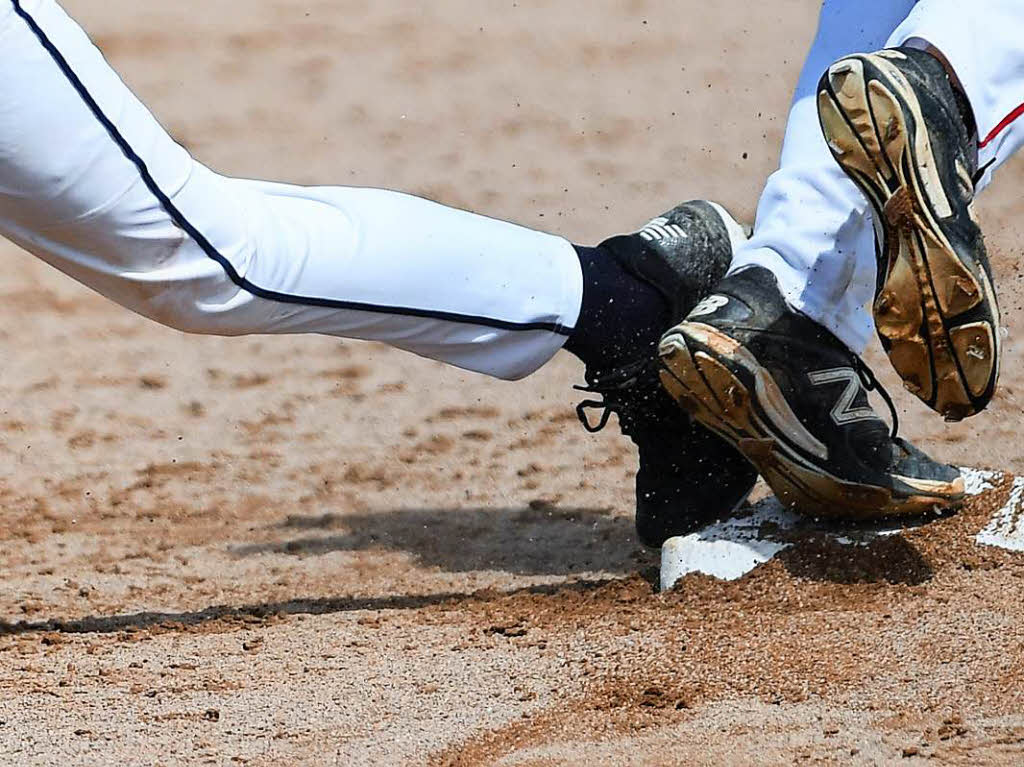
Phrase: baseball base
[735,547]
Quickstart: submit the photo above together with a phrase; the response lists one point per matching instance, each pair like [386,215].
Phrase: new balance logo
[709,305]
[661,229]
[844,412]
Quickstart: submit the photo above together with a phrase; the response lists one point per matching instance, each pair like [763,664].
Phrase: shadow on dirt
[530,541]
[892,560]
[258,613]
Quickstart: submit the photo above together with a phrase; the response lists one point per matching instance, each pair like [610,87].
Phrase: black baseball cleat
[794,400]
[688,476]
[904,134]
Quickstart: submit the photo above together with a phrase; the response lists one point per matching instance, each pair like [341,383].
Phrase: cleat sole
[949,361]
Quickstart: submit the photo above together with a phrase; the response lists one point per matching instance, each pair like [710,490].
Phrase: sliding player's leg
[91,183]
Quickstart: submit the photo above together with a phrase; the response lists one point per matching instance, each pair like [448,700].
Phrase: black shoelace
[606,409]
[871,383]
[619,390]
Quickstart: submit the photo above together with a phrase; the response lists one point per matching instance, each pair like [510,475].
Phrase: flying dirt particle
[83,439]
[438,444]
[152,382]
[347,373]
[250,381]
[453,413]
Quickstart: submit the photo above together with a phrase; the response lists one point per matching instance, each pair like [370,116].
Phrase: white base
[731,549]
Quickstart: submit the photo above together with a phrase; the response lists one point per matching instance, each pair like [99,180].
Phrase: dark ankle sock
[622,317]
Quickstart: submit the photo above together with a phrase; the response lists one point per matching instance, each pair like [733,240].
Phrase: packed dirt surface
[294,550]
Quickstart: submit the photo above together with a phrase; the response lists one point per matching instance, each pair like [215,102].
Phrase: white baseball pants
[814,228]
[92,184]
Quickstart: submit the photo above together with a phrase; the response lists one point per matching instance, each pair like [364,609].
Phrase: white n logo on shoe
[844,412]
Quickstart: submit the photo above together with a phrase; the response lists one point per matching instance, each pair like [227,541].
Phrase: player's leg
[907,123]
[91,183]
[770,361]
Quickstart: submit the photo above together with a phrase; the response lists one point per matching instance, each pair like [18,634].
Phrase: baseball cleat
[794,400]
[894,123]
[688,476]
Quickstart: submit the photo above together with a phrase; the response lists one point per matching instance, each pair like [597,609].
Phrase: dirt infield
[276,551]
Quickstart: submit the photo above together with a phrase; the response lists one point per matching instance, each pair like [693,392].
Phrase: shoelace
[871,383]
[592,404]
[621,380]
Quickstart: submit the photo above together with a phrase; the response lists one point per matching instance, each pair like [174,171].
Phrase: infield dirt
[299,551]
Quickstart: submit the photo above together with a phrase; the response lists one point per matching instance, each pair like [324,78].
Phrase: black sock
[622,317]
